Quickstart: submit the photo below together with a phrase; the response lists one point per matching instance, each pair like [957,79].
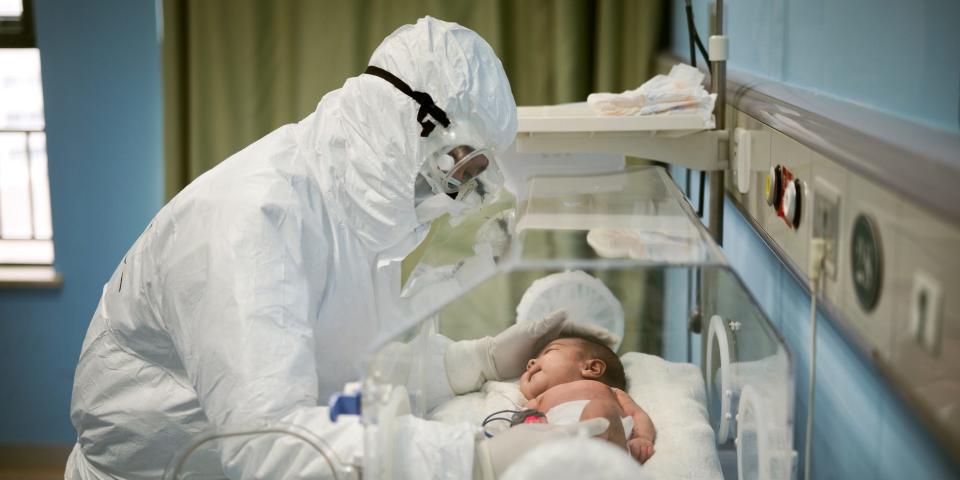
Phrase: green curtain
[236,69]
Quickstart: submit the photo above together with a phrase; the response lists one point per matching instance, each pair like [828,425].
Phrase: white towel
[679,92]
[674,396]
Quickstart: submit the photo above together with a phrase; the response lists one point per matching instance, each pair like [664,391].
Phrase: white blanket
[671,393]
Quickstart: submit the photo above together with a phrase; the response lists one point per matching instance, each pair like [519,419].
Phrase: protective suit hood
[367,134]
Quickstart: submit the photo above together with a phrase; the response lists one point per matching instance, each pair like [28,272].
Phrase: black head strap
[427,106]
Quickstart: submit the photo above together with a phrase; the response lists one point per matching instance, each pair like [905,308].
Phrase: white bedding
[671,393]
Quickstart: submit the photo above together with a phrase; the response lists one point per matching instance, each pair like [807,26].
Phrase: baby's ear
[593,368]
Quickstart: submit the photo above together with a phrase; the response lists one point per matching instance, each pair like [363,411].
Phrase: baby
[576,378]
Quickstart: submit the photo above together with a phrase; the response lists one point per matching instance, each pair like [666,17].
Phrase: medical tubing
[818,257]
[695,38]
[491,418]
[703,181]
[703,50]
[182,460]
[501,412]
[810,385]
[690,40]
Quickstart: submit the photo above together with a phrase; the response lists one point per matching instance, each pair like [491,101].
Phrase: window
[26,234]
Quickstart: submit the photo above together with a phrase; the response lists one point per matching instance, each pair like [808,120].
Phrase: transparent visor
[464,169]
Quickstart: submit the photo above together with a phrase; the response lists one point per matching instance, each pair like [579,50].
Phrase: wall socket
[926,316]
[826,221]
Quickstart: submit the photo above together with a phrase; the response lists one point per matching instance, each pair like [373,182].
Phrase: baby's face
[559,362]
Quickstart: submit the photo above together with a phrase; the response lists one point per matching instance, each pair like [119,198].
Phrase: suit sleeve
[238,303]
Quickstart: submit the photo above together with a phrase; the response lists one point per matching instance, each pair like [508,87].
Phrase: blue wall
[861,428]
[102,93]
[892,55]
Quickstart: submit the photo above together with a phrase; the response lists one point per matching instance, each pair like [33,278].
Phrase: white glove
[469,363]
[494,455]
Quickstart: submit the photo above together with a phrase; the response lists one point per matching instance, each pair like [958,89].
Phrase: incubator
[680,311]
[623,251]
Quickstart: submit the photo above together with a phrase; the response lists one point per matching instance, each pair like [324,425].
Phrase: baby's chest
[568,392]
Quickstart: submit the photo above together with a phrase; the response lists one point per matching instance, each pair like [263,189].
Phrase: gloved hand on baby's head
[470,363]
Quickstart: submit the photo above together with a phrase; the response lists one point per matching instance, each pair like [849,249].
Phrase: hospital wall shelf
[684,140]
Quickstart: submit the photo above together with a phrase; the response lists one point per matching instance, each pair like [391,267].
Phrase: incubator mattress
[671,393]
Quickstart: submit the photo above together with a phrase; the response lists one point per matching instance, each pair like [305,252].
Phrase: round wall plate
[866,262]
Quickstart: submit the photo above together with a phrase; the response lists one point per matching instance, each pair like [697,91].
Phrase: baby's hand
[640,448]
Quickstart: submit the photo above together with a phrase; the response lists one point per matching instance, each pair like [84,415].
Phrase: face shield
[461,166]
[458,178]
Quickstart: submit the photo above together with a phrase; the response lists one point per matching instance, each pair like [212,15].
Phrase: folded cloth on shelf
[672,394]
[679,92]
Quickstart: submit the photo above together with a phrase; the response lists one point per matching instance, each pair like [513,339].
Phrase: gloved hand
[469,363]
[494,455]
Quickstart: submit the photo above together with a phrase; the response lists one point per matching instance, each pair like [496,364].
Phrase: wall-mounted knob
[793,203]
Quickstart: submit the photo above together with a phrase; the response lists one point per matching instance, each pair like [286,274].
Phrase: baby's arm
[533,403]
[644,433]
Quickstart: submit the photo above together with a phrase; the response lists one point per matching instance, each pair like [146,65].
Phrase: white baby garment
[568,413]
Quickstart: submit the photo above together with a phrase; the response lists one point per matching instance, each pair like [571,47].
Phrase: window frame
[21,33]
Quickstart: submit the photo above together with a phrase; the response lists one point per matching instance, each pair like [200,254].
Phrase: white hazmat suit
[252,294]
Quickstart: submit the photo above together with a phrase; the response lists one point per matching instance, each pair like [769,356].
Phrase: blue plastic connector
[344,404]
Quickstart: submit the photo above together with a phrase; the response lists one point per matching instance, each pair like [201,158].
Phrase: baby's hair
[613,375]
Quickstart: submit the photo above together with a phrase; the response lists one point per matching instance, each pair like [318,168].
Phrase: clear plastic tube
[339,470]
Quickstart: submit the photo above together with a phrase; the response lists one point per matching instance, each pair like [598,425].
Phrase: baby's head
[568,359]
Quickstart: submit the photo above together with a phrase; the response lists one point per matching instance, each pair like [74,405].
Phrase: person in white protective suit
[250,297]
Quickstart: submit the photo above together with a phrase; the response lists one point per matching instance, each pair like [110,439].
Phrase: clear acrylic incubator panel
[634,232]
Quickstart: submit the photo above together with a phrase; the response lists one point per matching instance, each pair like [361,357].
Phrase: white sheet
[671,393]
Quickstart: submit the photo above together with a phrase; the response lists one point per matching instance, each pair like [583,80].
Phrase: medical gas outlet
[784,192]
